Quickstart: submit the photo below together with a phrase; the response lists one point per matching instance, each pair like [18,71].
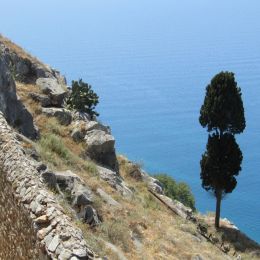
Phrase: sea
[150,62]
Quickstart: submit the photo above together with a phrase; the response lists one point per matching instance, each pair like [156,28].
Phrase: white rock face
[51,87]
[100,147]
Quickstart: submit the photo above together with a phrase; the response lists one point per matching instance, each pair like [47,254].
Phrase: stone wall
[17,236]
[56,235]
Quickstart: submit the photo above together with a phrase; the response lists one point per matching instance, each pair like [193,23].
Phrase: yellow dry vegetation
[18,50]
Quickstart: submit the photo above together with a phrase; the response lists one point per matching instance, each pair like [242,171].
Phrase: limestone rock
[44,100]
[50,178]
[80,195]
[91,216]
[176,206]
[94,125]
[62,115]
[153,184]
[42,219]
[66,179]
[54,244]
[81,116]
[14,111]
[114,180]
[51,87]
[26,68]
[80,129]
[107,198]
[100,147]
[77,135]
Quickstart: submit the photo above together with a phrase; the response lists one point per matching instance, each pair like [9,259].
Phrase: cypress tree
[222,113]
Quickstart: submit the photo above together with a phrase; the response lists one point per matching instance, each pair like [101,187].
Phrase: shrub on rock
[82,98]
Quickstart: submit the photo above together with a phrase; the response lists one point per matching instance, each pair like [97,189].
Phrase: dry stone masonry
[17,235]
[57,237]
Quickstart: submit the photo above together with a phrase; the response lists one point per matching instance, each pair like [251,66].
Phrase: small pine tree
[82,98]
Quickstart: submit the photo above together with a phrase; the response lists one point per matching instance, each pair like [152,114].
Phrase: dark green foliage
[223,107]
[82,98]
[220,163]
[223,114]
[178,191]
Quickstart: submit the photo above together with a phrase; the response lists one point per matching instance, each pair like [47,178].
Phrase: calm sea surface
[150,62]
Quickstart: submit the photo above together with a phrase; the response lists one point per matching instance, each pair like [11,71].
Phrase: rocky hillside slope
[74,197]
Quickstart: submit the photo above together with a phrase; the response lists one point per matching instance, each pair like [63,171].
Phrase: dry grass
[161,234]
[18,50]
[23,91]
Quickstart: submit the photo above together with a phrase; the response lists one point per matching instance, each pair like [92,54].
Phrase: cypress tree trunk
[218,204]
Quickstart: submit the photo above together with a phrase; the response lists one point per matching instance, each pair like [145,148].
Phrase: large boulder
[63,115]
[115,180]
[74,187]
[44,100]
[91,216]
[94,125]
[12,108]
[100,147]
[51,87]
[81,128]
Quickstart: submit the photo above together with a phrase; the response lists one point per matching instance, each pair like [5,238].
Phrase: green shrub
[82,98]
[178,191]
[53,150]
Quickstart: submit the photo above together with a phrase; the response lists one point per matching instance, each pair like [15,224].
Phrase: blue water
[150,62]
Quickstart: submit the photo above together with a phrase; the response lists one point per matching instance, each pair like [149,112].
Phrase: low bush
[178,191]
[82,98]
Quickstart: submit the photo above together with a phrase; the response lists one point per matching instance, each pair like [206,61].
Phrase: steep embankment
[75,197]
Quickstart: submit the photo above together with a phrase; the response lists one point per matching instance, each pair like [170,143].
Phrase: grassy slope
[162,235]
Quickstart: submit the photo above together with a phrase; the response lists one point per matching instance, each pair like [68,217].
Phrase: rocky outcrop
[63,115]
[44,100]
[114,180]
[100,147]
[82,127]
[75,191]
[53,89]
[57,236]
[24,67]
[12,108]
